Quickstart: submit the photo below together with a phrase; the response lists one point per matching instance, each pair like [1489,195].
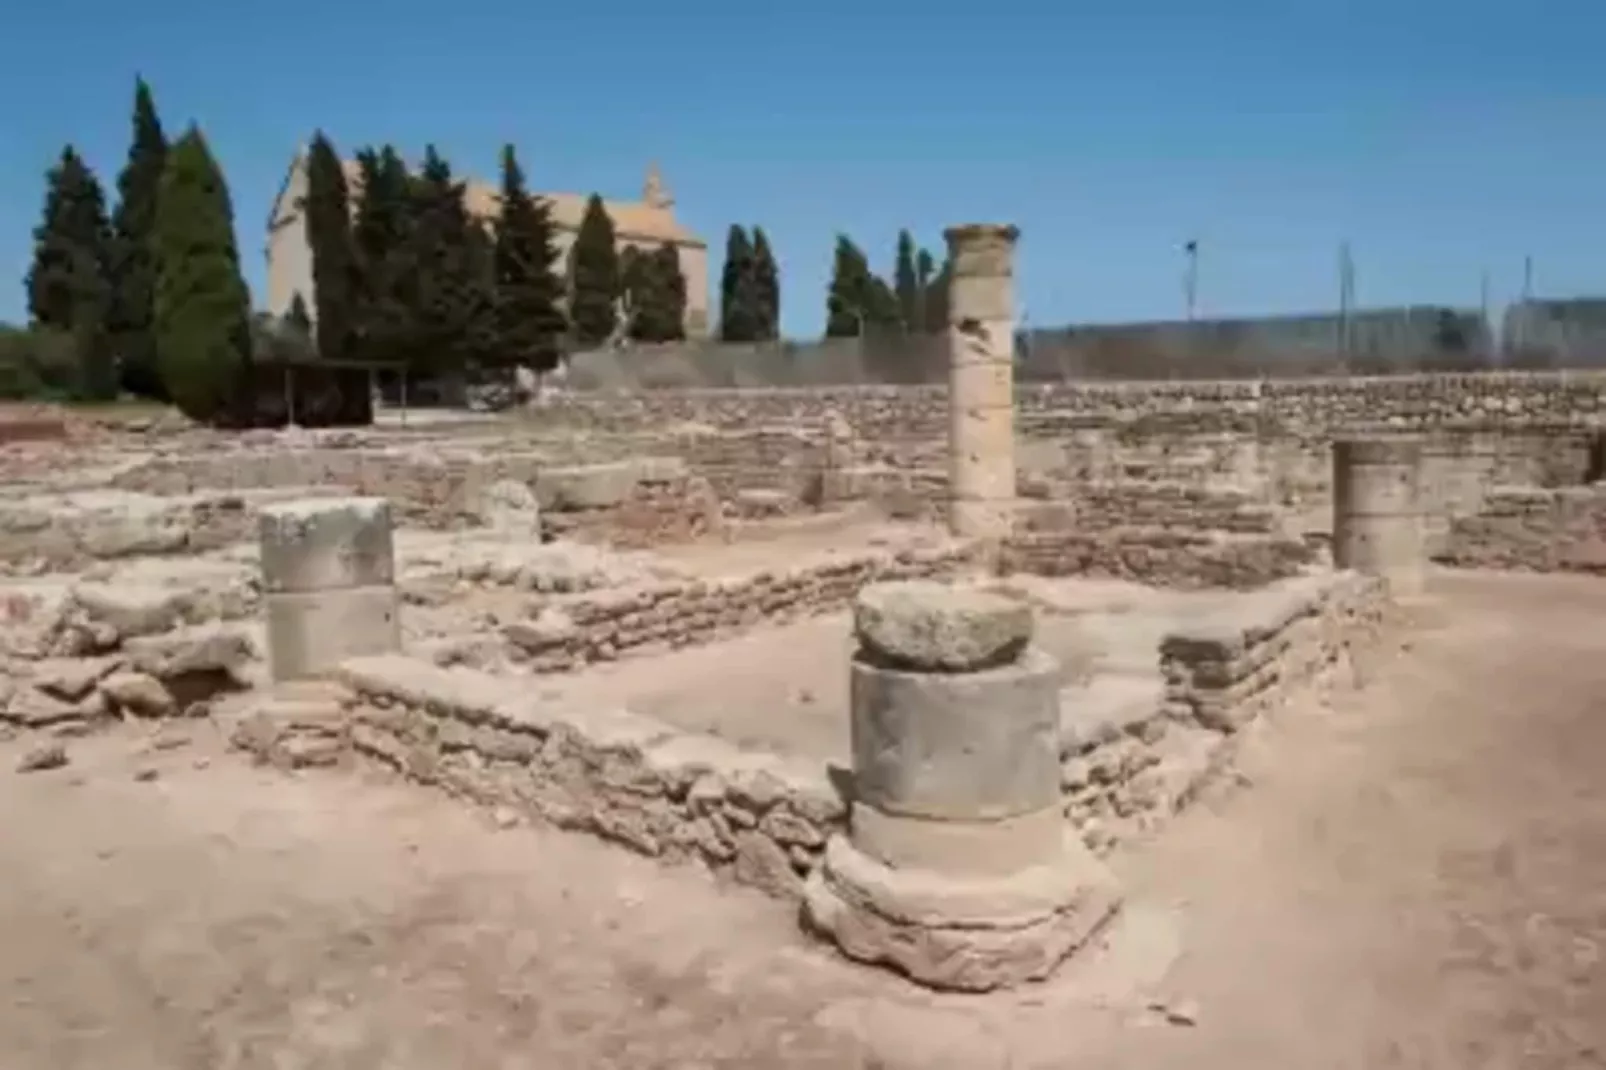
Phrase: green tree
[202,307]
[449,280]
[529,294]
[297,320]
[68,287]
[380,236]
[327,208]
[858,301]
[925,272]
[132,269]
[906,284]
[740,315]
[595,276]
[936,301]
[657,294]
[766,286]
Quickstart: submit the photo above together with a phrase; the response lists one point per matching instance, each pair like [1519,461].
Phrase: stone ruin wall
[1129,759]
[1233,458]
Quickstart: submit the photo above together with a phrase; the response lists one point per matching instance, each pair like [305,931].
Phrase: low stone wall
[1176,506]
[1137,751]
[634,502]
[1134,753]
[566,634]
[1157,557]
[1504,400]
[759,818]
[1533,530]
[1223,671]
[72,531]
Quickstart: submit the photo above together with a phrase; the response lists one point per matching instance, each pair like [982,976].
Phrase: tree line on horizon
[858,301]
[147,298]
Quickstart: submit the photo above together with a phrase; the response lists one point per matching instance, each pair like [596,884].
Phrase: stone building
[645,224]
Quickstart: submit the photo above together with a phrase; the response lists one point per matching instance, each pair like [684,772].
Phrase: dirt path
[1416,878]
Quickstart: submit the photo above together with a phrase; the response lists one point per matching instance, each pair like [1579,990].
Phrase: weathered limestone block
[321,544]
[933,627]
[958,869]
[963,746]
[509,505]
[1378,526]
[328,577]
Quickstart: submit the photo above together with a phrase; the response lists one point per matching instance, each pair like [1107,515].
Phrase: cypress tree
[657,292]
[334,259]
[740,317]
[297,320]
[906,284]
[858,301]
[68,287]
[529,313]
[202,309]
[595,271]
[666,259]
[380,236]
[766,286]
[449,274]
[133,270]
[936,301]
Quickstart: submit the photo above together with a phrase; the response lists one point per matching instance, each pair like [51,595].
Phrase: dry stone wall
[1136,753]
[1267,439]
[1157,557]
[1132,754]
[760,818]
[633,502]
[1533,530]
[1535,400]
[566,634]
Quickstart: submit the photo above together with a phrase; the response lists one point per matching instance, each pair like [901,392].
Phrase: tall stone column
[328,583]
[959,869]
[981,379]
[1378,525]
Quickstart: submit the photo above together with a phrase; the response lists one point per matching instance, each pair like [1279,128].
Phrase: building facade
[646,224]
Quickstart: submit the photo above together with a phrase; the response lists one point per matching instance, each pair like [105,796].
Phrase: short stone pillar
[981,380]
[328,583]
[960,870]
[1378,525]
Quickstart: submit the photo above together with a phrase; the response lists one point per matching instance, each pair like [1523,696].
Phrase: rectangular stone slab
[311,634]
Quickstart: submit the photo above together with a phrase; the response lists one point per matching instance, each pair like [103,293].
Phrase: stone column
[328,583]
[981,379]
[959,869]
[1377,510]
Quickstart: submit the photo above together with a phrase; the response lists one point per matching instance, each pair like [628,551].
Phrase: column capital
[981,248]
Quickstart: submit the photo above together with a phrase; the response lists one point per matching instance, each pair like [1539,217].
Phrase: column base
[960,933]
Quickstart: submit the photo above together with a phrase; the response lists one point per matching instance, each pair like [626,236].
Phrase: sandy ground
[1415,877]
[785,687]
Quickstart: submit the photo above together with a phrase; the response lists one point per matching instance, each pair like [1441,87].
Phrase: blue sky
[1442,140]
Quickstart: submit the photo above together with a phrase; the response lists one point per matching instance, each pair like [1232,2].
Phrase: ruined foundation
[1378,526]
[981,380]
[959,870]
[328,584]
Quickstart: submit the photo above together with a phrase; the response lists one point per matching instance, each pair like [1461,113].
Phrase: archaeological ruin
[918,660]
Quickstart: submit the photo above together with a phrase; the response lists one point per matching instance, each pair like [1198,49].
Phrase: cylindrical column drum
[1377,510]
[981,379]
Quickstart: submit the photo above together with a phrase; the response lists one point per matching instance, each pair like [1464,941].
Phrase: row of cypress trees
[405,272]
[860,302]
[150,293]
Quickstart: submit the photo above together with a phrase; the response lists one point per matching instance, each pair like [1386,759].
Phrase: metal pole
[1486,332]
[1190,279]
